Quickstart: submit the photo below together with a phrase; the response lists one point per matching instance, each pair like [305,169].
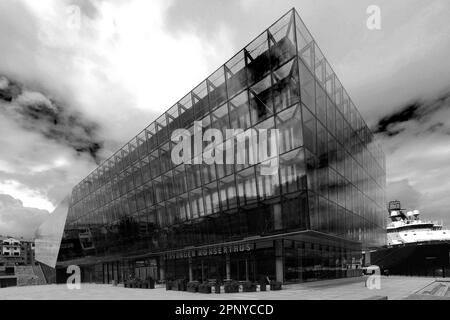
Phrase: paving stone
[394,287]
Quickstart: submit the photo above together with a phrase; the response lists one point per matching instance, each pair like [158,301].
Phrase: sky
[74,88]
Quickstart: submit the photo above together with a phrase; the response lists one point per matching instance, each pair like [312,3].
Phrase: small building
[16,252]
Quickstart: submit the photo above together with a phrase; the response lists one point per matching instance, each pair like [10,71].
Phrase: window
[246,185]
[197,205]
[227,192]
[322,139]
[285,88]
[261,104]
[331,117]
[236,74]
[289,124]
[309,130]
[321,104]
[293,171]
[220,120]
[307,87]
[239,111]
[268,185]
[217,88]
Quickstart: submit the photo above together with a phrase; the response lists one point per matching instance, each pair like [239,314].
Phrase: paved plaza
[394,287]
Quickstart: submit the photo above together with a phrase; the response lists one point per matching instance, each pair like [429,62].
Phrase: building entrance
[243,269]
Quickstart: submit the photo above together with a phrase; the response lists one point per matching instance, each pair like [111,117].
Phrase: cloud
[73,89]
[35,112]
[18,220]
[416,140]
[403,191]
[425,116]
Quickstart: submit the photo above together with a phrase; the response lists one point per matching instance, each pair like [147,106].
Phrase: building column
[279,272]
[246,269]
[191,275]
[227,266]
[203,272]
[162,272]
[277,218]
[367,261]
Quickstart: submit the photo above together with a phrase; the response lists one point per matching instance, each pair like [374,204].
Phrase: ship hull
[418,259]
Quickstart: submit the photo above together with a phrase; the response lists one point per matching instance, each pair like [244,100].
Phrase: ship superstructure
[406,227]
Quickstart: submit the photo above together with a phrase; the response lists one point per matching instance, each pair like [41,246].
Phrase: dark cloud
[418,113]
[17,220]
[405,114]
[36,112]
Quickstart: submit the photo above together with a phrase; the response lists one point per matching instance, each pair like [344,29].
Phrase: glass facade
[322,207]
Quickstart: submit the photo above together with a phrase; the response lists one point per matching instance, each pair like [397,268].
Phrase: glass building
[139,213]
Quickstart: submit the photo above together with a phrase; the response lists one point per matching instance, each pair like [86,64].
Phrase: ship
[413,246]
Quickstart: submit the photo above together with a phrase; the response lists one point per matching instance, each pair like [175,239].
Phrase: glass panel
[307,87]
[186,112]
[239,111]
[158,190]
[200,100]
[286,86]
[331,117]
[150,134]
[289,124]
[179,179]
[339,127]
[193,172]
[197,204]
[220,120]
[309,130]
[305,43]
[149,194]
[171,212]
[319,65]
[227,191]
[332,185]
[257,58]
[141,145]
[338,93]
[332,151]
[321,104]
[329,80]
[165,157]
[184,207]
[217,88]
[211,196]
[227,149]
[208,172]
[322,140]
[261,103]
[246,185]
[155,163]
[236,74]
[293,171]
[282,40]
[172,119]
[161,129]
[268,185]
[169,189]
